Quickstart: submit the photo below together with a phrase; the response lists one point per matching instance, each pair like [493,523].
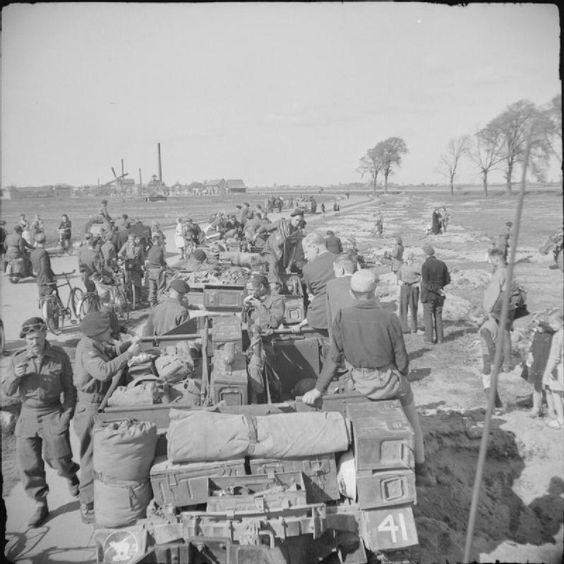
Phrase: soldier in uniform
[41,264]
[171,312]
[104,213]
[97,362]
[39,375]
[133,254]
[265,312]
[89,262]
[156,265]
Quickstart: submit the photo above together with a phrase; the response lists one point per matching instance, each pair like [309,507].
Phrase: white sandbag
[201,436]
[117,504]
[289,435]
[124,450]
[346,475]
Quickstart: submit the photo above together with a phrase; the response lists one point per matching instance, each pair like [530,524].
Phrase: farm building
[235,185]
[215,186]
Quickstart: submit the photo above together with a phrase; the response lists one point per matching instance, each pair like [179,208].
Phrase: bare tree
[554,115]
[513,126]
[389,153]
[486,153]
[450,159]
[370,164]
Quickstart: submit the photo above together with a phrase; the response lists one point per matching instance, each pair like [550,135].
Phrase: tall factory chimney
[160,165]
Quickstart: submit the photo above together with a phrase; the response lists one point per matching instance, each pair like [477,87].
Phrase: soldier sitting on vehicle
[370,340]
[265,312]
[171,312]
[40,374]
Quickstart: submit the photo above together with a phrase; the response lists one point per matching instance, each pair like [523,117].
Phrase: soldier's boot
[423,477]
[87,513]
[39,515]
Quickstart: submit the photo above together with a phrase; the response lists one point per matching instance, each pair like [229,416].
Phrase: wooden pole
[160,164]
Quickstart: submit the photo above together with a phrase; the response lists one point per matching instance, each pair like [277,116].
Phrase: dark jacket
[434,277]
[316,274]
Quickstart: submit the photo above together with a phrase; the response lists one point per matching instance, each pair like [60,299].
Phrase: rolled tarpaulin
[199,436]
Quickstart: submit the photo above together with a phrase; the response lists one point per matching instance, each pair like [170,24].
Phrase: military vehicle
[342,500]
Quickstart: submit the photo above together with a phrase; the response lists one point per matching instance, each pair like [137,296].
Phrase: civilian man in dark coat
[434,277]
[316,273]
[41,264]
[333,243]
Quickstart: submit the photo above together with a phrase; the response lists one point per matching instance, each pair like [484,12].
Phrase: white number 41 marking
[388,525]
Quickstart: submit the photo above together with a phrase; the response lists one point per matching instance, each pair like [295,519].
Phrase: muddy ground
[521,505]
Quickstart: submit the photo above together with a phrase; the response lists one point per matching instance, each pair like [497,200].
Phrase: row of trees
[523,135]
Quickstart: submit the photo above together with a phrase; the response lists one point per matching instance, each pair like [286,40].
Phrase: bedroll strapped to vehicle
[207,436]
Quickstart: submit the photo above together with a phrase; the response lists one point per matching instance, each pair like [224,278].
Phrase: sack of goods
[124,450]
[207,436]
[118,504]
[171,369]
[144,390]
[123,454]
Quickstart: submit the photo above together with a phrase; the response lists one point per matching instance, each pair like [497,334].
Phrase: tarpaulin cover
[200,436]
[124,450]
[287,435]
[118,504]
[206,436]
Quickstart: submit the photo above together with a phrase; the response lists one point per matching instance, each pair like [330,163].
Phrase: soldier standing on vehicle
[97,362]
[41,264]
[369,339]
[434,277]
[89,262]
[281,245]
[155,264]
[39,375]
[171,312]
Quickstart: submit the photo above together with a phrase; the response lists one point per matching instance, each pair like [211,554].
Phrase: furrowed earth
[520,514]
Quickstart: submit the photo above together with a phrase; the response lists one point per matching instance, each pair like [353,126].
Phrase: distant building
[215,186]
[57,191]
[235,185]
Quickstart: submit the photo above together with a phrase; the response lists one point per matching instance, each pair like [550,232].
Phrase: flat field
[520,517]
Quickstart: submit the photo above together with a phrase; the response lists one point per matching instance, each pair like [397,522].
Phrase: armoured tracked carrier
[343,499]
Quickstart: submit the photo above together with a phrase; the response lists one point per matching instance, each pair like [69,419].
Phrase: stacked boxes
[229,372]
[385,478]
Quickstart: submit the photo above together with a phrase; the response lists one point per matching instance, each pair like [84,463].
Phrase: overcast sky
[270,93]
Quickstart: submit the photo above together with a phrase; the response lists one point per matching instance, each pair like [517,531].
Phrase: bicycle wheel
[53,316]
[133,300]
[121,304]
[76,296]
[89,303]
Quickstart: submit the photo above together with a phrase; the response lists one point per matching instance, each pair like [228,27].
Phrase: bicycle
[125,281]
[53,310]
[110,294]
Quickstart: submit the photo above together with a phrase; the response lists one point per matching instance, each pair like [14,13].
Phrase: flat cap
[297,212]
[199,255]
[32,324]
[428,249]
[363,281]
[180,286]
[95,323]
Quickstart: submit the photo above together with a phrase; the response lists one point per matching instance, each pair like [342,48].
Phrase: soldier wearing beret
[171,312]
[39,375]
[98,360]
